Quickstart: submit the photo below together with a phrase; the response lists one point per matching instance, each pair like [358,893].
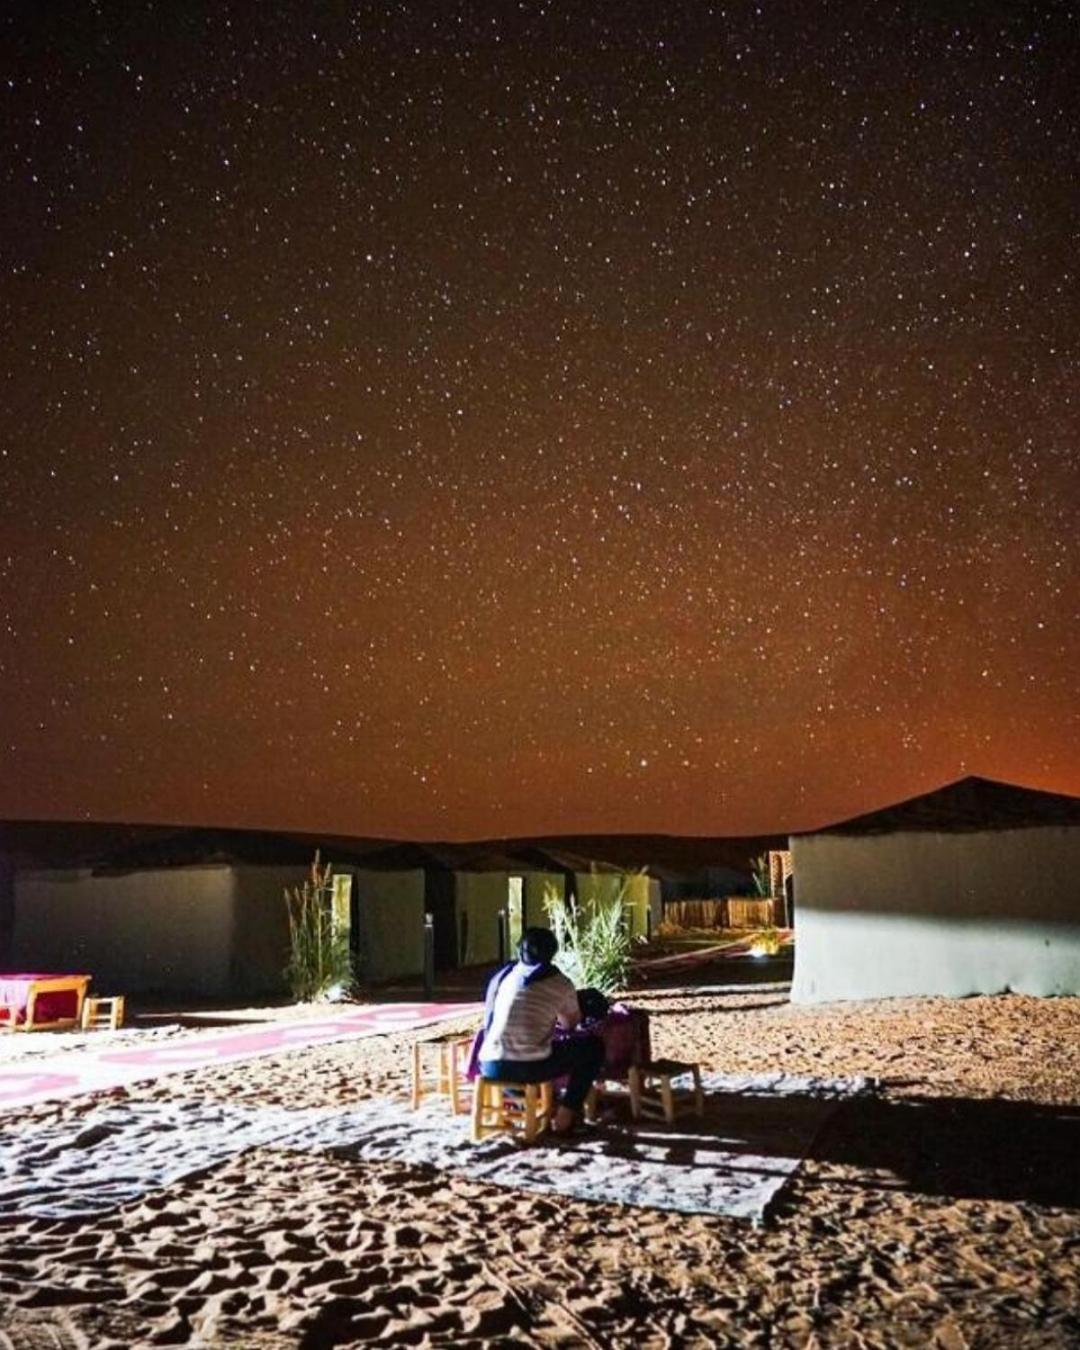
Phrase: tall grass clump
[761,874]
[319,957]
[594,939]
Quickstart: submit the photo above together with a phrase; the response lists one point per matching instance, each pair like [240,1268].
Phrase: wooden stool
[100,1010]
[522,1109]
[651,1093]
[446,1076]
[605,1090]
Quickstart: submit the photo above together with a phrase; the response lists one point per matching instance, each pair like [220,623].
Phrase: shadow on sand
[952,1148]
[961,1148]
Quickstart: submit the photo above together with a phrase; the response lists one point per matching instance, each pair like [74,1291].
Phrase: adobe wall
[390,918]
[164,931]
[952,914]
[259,941]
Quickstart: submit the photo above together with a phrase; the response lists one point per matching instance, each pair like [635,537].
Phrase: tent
[466,888]
[199,911]
[162,910]
[972,888]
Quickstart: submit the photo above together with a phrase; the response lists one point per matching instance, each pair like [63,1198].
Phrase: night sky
[458,420]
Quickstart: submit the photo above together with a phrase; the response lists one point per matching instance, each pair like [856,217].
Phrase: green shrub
[594,939]
[319,955]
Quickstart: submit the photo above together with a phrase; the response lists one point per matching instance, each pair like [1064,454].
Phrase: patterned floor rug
[734,1162]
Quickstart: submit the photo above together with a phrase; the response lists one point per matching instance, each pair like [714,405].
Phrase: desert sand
[943,1211]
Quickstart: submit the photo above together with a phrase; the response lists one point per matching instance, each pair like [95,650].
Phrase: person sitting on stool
[524,1003]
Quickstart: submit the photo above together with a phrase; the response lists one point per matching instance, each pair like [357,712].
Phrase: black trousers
[578,1059]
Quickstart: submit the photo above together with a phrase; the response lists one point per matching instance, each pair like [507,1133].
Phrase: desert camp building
[970,889]
[196,911]
[149,909]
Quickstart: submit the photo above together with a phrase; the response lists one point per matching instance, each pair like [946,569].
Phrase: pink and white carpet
[91,1070]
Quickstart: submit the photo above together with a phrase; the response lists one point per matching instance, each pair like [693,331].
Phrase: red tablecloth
[15,993]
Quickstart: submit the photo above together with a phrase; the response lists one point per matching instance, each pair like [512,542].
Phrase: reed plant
[320,960]
[761,874]
[594,939]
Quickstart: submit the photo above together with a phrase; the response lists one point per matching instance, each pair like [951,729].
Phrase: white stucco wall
[259,943]
[641,894]
[164,931]
[920,913]
[390,916]
[656,904]
[480,896]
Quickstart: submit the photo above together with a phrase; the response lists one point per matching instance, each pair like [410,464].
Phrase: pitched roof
[968,805]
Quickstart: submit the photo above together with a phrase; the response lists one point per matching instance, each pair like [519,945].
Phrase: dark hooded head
[537,946]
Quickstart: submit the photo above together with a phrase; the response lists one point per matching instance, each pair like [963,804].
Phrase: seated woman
[525,1002]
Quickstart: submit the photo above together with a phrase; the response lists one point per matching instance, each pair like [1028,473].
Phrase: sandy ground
[944,1212]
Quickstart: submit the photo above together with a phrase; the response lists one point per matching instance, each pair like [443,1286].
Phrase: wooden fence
[696,913]
[734,911]
[755,913]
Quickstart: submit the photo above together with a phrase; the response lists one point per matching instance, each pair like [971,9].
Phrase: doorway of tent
[439,903]
[515,914]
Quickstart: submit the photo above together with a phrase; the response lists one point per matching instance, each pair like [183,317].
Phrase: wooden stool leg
[417,1069]
[448,1069]
[592,1105]
[667,1098]
[452,1077]
[458,1064]
[547,1099]
[635,1092]
[531,1095]
[699,1095]
[478,1107]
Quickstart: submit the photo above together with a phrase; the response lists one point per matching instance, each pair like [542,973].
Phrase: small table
[41,1002]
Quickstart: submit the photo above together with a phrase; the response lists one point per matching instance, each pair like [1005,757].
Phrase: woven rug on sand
[734,1162]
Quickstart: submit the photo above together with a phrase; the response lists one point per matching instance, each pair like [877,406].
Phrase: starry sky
[472,419]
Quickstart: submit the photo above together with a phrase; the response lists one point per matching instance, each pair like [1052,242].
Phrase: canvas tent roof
[120,847]
[197,846]
[407,857]
[677,855]
[482,857]
[62,843]
[968,805]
